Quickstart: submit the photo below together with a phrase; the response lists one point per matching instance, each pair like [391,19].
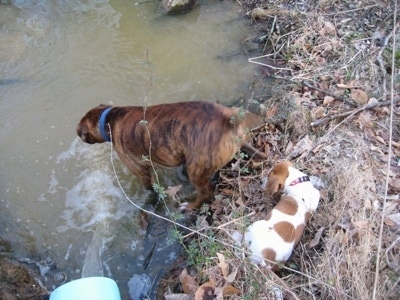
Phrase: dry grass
[337,254]
[346,252]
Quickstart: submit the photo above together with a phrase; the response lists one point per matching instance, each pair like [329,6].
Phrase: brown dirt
[17,282]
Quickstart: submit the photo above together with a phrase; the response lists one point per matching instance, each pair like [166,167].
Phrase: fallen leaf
[173,190]
[230,291]
[394,218]
[390,207]
[315,241]
[228,191]
[202,222]
[330,27]
[388,222]
[304,145]
[205,291]
[396,144]
[231,277]
[327,100]
[189,285]
[317,112]
[223,265]
[361,224]
[289,147]
[372,101]
[271,112]
[320,60]
[395,183]
[380,140]
[344,86]
[359,96]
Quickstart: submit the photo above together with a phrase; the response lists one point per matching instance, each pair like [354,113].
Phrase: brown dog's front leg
[203,193]
[144,175]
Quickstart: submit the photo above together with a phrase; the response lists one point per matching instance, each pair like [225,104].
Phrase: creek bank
[17,281]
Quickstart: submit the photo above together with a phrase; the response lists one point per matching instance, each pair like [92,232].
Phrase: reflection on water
[59,199]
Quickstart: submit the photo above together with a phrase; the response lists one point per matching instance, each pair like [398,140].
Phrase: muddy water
[60,204]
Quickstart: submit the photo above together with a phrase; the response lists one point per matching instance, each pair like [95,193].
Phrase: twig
[381,64]
[235,220]
[251,60]
[353,112]
[283,284]
[329,94]
[350,10]
[378,252]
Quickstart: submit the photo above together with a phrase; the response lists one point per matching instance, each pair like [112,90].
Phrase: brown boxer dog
[202,135]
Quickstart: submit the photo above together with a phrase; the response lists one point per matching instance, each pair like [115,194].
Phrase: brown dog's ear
[103,106]
[277,177]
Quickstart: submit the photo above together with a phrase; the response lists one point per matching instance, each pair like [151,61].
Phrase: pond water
[61,207]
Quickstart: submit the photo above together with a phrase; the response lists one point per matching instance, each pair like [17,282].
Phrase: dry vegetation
[331,115]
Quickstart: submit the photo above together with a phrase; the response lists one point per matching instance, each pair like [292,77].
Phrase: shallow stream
[61,207]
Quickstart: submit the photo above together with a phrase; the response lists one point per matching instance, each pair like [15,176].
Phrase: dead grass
[338,48]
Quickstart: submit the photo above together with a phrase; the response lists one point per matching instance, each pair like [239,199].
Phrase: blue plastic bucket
[89,288]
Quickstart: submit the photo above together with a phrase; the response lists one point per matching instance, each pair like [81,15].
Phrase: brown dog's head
[277,177]
[88,128]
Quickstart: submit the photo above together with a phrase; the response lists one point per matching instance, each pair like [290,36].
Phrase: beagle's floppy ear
[277,177]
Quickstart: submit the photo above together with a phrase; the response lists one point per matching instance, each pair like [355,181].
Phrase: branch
[329,94]
[356,111]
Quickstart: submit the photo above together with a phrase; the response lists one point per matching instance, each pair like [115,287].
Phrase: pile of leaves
[336,71]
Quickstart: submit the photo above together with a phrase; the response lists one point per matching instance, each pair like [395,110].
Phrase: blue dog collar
[102,124]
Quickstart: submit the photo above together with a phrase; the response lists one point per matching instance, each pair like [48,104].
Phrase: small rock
[178,6]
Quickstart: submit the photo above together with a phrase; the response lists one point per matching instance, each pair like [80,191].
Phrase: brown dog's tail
[249,122]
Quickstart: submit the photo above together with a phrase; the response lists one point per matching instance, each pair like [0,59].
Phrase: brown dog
[202,135]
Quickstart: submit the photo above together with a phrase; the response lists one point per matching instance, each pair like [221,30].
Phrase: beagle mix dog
[202,135]
[271,241]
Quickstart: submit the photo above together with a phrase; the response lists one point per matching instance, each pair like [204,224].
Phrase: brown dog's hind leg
[200,179]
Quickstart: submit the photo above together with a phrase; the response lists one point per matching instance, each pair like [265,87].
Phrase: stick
[353,112]
[330,94]
[378,251]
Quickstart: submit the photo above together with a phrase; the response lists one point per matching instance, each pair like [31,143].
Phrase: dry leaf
[230,291]
[361,224]
[345,86]
[367,204]
[390,207]
[231,277]
[227,191]
[320,60]
[315,241]
[304,145]
[396,144]
[372,101]
[173,190]
[223,265]
[289,147]
[189,285]
[202,222]
[359,96]
[327,100]
[388,222]
[317,112]
[395,218]
[205,291]
[395,183]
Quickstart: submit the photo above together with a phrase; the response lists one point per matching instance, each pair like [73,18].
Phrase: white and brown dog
[271,241]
